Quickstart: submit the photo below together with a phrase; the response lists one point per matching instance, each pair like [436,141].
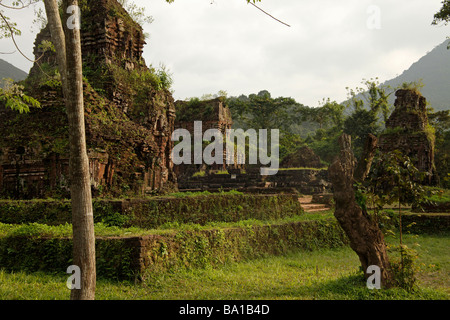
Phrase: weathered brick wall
[152,213]
[214,114]
[129,143]
[407,130]
[306,181]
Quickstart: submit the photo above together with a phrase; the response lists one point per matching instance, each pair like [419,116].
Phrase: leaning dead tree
[365,237]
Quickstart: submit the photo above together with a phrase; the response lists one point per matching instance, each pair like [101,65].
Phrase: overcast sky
[230,45]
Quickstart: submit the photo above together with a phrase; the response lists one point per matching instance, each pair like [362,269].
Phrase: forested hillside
[433,70]
[7,70]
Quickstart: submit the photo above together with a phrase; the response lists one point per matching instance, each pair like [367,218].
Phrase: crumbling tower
[214,114]
[408,131]
[129,116]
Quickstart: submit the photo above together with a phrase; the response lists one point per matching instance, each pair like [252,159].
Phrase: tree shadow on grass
[354,287]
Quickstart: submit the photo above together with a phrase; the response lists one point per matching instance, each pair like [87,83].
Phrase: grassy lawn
[323,275]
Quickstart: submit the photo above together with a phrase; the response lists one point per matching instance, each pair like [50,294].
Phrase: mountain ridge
[433,70]
[7,70]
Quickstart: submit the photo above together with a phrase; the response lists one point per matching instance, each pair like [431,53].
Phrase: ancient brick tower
[129,116]
[408,131]
[214,114]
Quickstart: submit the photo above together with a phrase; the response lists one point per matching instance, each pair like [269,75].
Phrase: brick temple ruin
[213,114]
[408,131]
[128,128]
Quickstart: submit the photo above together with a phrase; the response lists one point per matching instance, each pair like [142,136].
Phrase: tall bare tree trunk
[366,238]
[69,58]
[58,39]
[82,212]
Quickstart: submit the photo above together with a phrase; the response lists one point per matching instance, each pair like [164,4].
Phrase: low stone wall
[152,213]
[424,223]
[434,207]
[137,257]
[132,258]
[305,181]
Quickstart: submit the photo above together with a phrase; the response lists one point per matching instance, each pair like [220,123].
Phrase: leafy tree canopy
[444,14]
[261,111]
[14,98]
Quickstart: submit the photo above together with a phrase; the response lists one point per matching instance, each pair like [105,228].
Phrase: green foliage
[105,214]
[177,250]
[48,76]
[368,103]
[164,77]
[443,15]
[430,131]
[140,81]
[137,13]
[189,194]
[14,98]
[323,142]
[37,230]
[393,179]
[405,268]
[373,96]
[359,125]
[289,143]
[222,95]
[159,79]
[195,207]
[192,247]
[46,46]
[196,248]
[329,114]
[440,121]
[199,174]
[325,274]
[414,86]
[8,28]
[261,111]
[196,108]
[221,172]
[438,195]
[393,131]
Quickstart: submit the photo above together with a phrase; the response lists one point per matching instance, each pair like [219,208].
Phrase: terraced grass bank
[325,274]
[151,213]
[138,238]
[128,257]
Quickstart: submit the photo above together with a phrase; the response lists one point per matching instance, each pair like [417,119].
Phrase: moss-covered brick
[153,213]
[138,257]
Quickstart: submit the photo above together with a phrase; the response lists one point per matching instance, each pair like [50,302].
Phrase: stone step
[317,210]
[313,206]
[305,199]
[309,207]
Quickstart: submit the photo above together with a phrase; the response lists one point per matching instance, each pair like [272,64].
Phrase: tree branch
[14,40]
[268,14]
[17,7]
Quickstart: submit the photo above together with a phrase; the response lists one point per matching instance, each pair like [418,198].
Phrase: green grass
[440,196]
[102,230]
[323,274]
